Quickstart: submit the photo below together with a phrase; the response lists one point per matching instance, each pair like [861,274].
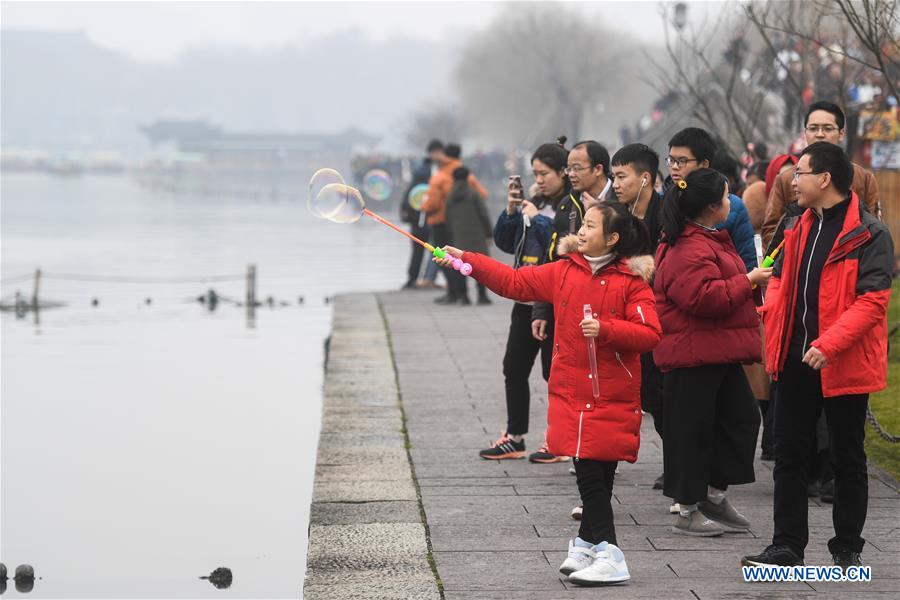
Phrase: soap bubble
[340,203]
[317,182]
[417,196]
[377,185]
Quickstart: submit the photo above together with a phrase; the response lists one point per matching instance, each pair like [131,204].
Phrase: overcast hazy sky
[160,30]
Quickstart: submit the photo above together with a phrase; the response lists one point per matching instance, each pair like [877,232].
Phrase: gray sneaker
[697,525]
[725,515]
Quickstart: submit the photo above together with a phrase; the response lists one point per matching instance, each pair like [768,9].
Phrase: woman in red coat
[597,430]
[710,326]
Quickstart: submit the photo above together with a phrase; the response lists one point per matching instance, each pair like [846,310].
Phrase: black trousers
[521,350]
[415,260]
[799,403]
[595,484]
[767,408]
[456,283]
[712,423]
[652,391]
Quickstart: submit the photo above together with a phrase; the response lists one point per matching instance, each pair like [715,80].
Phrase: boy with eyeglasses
[693,148]
[824,123]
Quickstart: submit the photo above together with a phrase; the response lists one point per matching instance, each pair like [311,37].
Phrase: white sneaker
[675,509]
[580,557]
[576,512]
[608,567]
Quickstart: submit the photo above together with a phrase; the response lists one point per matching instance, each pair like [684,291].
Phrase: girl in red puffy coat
[710,326]
[599,270]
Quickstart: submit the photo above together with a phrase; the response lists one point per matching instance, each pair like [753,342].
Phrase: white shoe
[576,512]
[580,557]
[608,567]
[675,509]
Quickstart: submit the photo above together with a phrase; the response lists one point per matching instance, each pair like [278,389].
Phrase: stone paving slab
[499,530]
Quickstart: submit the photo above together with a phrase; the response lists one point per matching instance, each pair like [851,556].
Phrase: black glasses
[681,162]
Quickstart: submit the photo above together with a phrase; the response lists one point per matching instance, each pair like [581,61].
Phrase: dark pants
[799,403]
[415,261]
[521,350]
[767,408]
[595,484]
[652,391]
[463,290]
[712,424]
[456,284]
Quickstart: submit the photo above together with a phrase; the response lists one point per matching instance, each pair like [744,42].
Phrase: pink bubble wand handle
[592,355]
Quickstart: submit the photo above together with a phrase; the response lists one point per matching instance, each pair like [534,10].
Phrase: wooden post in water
[251,295]
[34,296]
[37,288]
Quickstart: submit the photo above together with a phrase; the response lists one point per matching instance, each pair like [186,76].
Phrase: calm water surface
[145,445]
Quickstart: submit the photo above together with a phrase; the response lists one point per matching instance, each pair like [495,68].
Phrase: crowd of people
[688,322]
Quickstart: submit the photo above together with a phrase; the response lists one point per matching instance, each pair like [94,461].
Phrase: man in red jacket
[826,344]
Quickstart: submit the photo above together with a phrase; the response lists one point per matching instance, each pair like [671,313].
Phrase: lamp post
[680,17]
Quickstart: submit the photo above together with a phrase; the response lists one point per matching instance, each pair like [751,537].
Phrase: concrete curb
[366,534]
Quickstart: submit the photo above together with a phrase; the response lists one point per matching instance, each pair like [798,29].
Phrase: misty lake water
[145,445]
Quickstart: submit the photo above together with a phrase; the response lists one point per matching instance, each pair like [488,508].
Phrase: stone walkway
[500,529]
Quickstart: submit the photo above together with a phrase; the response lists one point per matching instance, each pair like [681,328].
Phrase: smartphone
[515,186]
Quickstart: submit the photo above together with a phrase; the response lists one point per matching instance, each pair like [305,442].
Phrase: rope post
[37,288]
[251,295]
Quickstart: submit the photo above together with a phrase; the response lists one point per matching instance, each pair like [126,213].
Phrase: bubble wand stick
[592,355]
[463,267]
[330,198]
[770,259]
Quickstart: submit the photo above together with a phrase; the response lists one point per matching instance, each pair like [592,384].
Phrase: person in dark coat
[469,226]
[524,230]
[416,221]
[710,327]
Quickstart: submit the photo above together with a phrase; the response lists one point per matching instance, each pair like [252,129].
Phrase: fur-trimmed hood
[641,265]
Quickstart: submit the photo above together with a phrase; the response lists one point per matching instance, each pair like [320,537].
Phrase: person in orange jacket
[435,207]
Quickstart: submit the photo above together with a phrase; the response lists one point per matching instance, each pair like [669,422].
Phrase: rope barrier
[19,279]
[879,429]
[128,279]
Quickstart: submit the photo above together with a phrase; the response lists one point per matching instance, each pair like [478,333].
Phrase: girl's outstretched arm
[526,284]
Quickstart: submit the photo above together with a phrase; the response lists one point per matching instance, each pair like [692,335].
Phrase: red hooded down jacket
[854,291]
[606,428]
[705,303]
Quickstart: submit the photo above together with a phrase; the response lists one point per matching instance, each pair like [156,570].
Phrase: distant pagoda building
[197,137]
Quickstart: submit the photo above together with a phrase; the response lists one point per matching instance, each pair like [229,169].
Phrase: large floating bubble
[317,182]
[417,196]
[378,185]
[340,203]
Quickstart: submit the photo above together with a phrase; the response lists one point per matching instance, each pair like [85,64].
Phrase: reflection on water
[146,439]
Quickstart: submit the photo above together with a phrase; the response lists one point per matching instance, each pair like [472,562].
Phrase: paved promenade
[500,529]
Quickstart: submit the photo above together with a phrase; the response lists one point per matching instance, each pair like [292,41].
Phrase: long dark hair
[634,238]
[703,187]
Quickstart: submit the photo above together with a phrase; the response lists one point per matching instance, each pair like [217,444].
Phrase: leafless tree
[708,66]
[862,32]
[541,70]
[441,122]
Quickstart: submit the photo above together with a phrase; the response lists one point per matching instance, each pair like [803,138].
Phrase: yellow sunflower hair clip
[682,184]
